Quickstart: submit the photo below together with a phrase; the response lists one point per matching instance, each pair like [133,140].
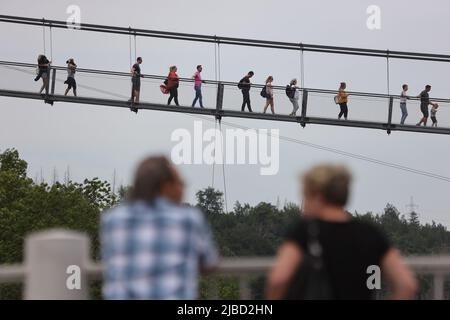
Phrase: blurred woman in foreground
[330,255]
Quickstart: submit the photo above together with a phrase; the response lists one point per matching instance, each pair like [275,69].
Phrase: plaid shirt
[154,252]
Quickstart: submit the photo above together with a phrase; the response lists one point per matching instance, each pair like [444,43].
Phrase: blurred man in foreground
[152,246]
[327,255]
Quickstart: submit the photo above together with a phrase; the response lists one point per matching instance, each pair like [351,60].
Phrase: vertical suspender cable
[51,44]
[220,130]
[214,152]
[388,74]
[135,51]
[218,59]
[215,123]
[129,44]
[302,67]
[131,64]
[215,60]
[43,35]
[223,169]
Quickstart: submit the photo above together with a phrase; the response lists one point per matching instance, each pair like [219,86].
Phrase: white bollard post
[438,286]
[54,262]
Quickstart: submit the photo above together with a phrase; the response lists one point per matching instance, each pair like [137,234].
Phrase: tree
[414,219]
[26,207]
[10,162]
[210,201]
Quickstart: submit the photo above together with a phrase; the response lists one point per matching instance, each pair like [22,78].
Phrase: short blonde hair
[332,182]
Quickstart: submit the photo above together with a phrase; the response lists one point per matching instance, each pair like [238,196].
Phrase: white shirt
[296,92]
[403,97]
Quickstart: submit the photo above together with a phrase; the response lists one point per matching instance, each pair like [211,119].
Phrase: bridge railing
[316,106]
[57,266]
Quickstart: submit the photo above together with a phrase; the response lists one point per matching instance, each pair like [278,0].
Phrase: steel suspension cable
[232,41]
[51,44]
[43,37]
[218,61]
[135,51]
[214,152]
[223,168]
[302,67]
[129,46]
[340,152]
[388,75]
[215,62]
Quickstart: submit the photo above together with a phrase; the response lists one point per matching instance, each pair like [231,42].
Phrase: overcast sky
[94,141]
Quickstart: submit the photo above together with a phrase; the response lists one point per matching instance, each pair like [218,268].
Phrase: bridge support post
[304,107]
[52,92]
[219,100]
[52,79]
[55,263]
[438,286]
[389,123]
[244,288]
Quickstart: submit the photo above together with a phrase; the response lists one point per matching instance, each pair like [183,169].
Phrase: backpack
[264,92]
[241,84]
[336,99]
[290,92]
[311,280]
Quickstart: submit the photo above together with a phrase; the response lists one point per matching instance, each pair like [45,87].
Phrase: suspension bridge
[220,109]
[75,246]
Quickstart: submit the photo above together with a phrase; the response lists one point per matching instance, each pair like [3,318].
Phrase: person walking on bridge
[172,85]
[43,72]
[71,83]
[198,86]
[433,112]
[245,86]
[135,83]
[269,95]
[424,103]
[342,100]
[327,254]
[153,246]
[293,95]
[403,98]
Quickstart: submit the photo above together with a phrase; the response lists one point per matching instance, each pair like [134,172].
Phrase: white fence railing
[57,266]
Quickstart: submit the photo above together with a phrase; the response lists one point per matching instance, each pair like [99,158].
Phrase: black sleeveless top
[349,248]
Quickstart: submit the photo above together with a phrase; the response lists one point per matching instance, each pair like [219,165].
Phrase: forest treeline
[27,206]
